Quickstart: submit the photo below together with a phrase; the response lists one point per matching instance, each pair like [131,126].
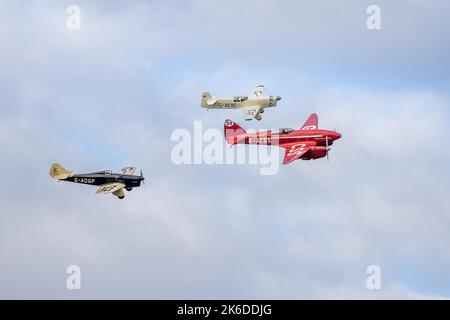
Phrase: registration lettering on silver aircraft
[226,105]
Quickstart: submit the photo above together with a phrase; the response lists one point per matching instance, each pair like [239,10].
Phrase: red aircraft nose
[334,135]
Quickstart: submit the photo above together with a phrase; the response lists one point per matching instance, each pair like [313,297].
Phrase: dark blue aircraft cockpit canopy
[104,172]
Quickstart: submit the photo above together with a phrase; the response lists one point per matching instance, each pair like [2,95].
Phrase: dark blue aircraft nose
[278,98]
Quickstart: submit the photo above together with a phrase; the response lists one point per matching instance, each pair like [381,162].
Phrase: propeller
[327,148]
[143,179]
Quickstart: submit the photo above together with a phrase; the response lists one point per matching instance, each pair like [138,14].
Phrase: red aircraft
[308,142]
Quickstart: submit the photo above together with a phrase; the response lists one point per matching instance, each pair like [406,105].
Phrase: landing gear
[258,117]
[128,189]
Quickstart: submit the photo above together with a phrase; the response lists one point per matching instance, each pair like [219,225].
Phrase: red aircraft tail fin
[312,123]
[233,132]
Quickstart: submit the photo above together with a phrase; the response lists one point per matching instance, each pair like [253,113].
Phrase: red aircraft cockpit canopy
[285,130]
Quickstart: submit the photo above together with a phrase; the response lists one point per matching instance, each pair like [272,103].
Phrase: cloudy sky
[110,95]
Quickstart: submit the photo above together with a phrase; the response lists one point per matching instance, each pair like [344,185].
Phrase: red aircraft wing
[295,150]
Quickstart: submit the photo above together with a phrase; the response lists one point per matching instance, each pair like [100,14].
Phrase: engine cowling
[316,153]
